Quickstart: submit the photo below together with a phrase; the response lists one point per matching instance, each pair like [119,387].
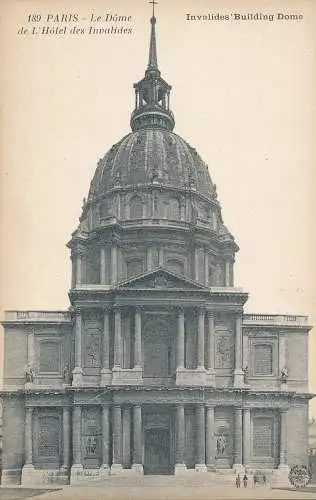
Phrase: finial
[152,62]
[153,4]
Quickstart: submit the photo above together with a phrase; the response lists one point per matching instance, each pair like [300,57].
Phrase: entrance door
[157,451]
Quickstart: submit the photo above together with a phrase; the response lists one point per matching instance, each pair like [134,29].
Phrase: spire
[152,61]
[152,93]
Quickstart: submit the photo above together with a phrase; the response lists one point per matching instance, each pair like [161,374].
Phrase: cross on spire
[153,4]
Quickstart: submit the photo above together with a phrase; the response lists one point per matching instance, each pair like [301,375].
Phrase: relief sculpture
[223,351]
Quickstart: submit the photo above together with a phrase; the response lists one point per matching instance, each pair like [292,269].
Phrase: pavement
[107,491]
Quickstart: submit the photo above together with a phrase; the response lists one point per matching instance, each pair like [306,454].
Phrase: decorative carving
[223,351]
[48,436]
[221,445]
[284,374]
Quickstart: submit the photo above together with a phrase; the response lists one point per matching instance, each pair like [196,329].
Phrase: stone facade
[154,368]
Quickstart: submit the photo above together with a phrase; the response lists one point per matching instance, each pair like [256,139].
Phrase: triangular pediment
[161,279]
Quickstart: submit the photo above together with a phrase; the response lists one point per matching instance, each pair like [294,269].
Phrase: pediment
[161,279]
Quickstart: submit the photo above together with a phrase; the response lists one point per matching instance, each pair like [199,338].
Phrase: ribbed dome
[152,155]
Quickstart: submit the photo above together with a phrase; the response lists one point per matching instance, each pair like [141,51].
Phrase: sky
[243,94]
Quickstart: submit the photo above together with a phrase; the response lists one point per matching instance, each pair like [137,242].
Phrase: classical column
[180,340]
[200,436]
[117,337]
[66,437]
[117,439]
[210,436]
[102,266]
[105,437]
[283,439]
[105,372]
[196,264]
[238,374]
[227,273]
[200,343]
[211,349]
[180,439]
[114,263]
[138,339]
[126,436]
[78,268]
[238,439]
[76,441]
[77,372]
[206,267]
[28,437]
[149,258]
[246,438]
[137,439]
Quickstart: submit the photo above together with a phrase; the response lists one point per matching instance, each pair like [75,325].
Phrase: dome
[152,155]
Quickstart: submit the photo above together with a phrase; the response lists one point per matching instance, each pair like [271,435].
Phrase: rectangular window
[263,360]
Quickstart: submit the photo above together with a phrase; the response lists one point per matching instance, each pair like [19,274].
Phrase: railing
[276,319]
[37,316]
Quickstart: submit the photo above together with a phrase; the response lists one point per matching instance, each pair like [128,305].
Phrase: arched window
[262,359]
[174,209]
[136,208]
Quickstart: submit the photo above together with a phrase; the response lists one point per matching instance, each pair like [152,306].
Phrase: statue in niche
[67,375]
[246,374]
[29,374]
[92,348]
[221,444]
[284,374]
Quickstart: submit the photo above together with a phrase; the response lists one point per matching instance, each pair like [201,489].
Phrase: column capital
[210,313]
[211,405]
[118,307]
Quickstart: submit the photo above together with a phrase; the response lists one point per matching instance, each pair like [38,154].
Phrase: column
[180,438]
[73,271]
[114,263]
[210,436]
[28,437]
[138,339]
[117,439]
[137,439]
[149,258]
[180,340]
[117,337]
[78,269]
[200,435]
[106,343]
[126,436]
[105,436]
[76,437]
[211,349]
[282,362]
[238,374]
[206,267]
[200,343]
[238,439]
[246,437]
[102,266]
[77,372]
[283,439]
[196,264]
[227,273]
[66,437]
